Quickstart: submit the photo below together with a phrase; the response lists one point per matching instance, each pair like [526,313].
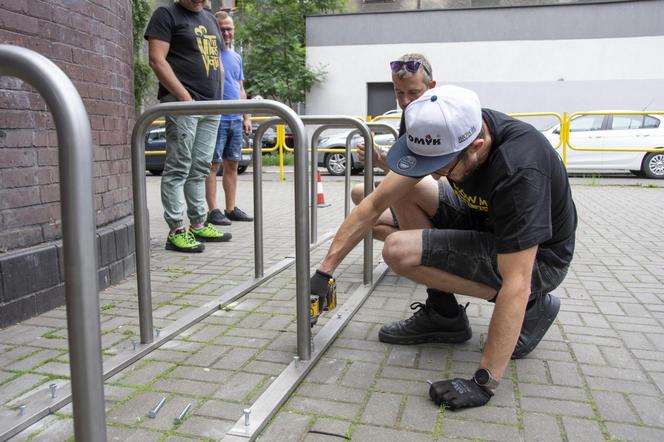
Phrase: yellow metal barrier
[564,121]
[542,114]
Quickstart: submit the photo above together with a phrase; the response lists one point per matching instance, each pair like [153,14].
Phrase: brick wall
[90,40]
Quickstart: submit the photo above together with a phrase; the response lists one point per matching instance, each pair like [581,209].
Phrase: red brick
[91,42]
[50,193]
[19,177]
[48,157]
[18,197]
[17,157]
[21,23]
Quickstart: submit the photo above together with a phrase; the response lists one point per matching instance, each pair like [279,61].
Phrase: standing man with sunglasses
[411,76]
[228,151]
[500,227]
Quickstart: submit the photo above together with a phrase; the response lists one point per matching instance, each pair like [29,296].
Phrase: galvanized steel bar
[78,232]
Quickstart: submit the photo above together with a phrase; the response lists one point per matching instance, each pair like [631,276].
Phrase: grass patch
[273,159]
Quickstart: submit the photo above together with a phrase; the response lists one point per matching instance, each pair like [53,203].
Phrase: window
[157,134]
[650,123]
[586,122]
[622,122]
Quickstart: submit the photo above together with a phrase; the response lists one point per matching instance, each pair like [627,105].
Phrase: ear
[432,84]
[477,145]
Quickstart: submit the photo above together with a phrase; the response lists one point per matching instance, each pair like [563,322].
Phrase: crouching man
[499,227]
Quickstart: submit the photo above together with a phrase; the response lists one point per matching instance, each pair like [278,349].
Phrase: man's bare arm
[246,118]
[516,269]
[364,216]
[157,51]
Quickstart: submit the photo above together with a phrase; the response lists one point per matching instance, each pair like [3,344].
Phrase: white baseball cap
[439,125]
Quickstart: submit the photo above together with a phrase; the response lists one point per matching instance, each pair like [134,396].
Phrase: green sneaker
[183,241]
[210,234]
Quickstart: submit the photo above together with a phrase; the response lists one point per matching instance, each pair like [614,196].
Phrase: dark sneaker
[237,215]
[209,234]
[183,241]
[426,325]
[539,317]
[216,217]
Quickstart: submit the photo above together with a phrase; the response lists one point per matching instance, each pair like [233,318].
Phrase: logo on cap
[427,140]
[407,162]
[464,136]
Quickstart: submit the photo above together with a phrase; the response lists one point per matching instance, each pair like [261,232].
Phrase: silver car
[335,162]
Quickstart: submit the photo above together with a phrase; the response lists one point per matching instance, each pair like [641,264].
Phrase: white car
[614,131]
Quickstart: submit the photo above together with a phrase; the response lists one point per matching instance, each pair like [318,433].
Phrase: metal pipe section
[259,258]
[368,188]
[140,203]
[78,232]
[328,122]
[314,176]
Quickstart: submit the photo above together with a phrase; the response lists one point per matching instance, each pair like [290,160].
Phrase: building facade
[562,57]
[91,41]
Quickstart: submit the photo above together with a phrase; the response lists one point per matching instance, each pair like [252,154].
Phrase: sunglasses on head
[411,66]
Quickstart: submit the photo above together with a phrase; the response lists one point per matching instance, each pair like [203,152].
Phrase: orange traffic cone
[320,196]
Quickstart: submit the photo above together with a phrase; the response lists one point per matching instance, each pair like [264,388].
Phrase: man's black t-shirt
[194,49]
[521,192]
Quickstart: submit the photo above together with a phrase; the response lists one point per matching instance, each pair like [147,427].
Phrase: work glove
[323,294]
[458,393]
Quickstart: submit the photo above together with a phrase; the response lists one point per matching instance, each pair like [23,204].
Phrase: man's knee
[230,165]
[357,193]
[400,251]
[214,168]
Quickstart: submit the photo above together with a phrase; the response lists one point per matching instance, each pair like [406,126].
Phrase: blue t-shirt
[233,74]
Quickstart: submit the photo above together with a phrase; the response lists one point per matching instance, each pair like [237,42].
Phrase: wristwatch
[484,378]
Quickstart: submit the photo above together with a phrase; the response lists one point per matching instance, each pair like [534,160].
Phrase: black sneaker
[539,317]
[237,215]
[216,217]
[427,325]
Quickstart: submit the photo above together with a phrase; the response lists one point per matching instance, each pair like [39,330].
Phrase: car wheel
[241,169]
[155,172]
[335,163]
[653,165]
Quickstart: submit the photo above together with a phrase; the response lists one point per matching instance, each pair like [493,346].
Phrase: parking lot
[597,375]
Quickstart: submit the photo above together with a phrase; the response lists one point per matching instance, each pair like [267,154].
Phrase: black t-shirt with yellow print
[195,43]
[521,192]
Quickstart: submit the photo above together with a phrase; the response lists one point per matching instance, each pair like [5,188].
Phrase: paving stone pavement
[597,375]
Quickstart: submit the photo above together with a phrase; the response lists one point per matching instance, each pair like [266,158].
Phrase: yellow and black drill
[323,295]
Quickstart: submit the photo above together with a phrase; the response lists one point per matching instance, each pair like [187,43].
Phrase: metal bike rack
[336,121]
[79,243]
[301,218]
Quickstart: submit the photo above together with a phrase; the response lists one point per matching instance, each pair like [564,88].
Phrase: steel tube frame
[361,126]
[314,188]
[301,219]
[78,232]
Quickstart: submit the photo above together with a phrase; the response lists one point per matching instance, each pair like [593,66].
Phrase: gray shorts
[460,244]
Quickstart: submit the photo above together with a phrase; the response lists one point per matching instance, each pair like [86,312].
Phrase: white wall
[512,75]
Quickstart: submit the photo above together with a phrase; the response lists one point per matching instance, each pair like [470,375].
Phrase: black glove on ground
[459,393]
